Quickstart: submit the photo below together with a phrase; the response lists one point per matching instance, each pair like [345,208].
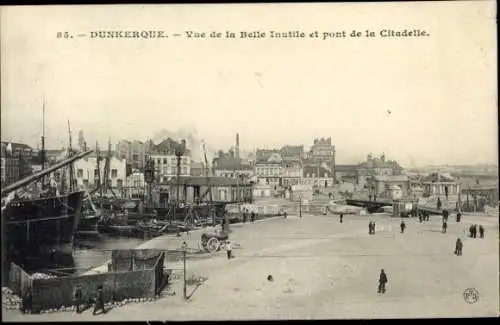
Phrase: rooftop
[202,181]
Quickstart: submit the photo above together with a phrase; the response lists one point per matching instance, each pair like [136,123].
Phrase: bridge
[375,206]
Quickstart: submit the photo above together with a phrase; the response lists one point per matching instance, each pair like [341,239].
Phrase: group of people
[78,301]
[252,216]
[371,228]
[473,229]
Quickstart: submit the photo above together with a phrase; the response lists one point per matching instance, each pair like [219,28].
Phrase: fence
[118,285]
[19,281]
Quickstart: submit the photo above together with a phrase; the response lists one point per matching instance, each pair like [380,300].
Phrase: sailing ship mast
[43,141]
[71,167]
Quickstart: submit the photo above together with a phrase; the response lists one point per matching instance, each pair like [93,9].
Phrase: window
[165,161]
[114,173]
[86,182]
[119,183]
[79,173]
[96,173]
[158,161]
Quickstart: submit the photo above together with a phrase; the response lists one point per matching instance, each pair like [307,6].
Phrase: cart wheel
[213,245]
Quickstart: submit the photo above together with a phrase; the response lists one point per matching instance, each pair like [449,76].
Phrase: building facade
[134,152]
[323,150]
[269,169]
[377,166]
[87,172]
[195,189]
[166,166]
[318,176]
[230,166]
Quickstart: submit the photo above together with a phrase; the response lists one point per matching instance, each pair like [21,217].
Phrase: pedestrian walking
[439,204]
[252,216]
[229,250]
[78,298]
[382,281]
[458,247]
[474,231]
[285,214]
[445,226]
[341,217]
[373,228]
[403,226]
[244,216]
[481,231]
[370,227]
[445,215]
[459,216]
[99,301]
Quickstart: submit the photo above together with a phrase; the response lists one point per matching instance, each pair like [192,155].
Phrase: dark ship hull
[39,232]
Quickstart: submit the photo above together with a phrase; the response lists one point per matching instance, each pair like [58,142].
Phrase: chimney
[382,157]
[237,149]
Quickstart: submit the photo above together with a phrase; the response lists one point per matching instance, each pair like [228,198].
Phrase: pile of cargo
[10,301]
[40,276]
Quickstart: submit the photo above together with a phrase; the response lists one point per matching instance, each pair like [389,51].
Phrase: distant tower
[81,140]
[237,148]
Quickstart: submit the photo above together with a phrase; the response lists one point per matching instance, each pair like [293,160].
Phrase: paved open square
[325,269]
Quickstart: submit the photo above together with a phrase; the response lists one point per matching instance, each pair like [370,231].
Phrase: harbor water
[94,251]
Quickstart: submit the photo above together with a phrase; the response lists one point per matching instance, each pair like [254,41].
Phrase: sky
[440,89]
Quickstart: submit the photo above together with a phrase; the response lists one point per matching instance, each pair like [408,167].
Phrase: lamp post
[179,152]
[184,247]
[300,206]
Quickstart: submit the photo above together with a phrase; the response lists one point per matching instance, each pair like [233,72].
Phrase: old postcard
[249,161]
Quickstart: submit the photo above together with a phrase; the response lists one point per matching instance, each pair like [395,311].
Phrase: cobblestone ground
[324,269]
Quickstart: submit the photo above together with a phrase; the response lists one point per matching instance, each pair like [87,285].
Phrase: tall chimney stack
[237,148]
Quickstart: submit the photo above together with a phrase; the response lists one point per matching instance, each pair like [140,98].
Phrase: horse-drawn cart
[213,242]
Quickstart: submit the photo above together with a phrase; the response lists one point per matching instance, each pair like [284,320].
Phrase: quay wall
[54,293]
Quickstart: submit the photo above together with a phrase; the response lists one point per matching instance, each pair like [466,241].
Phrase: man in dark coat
[373,227]
[403,226]
[99,301]
[285,214]
[445,226]
[445,215]
[481,231]
[458,247]
[341,217]
[439,204]
[382,281]
[459,216]
[78,298]
[370,227]
[252,216]
[27,302]
[474,231]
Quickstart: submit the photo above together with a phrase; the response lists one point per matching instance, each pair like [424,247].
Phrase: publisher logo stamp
[471,295]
